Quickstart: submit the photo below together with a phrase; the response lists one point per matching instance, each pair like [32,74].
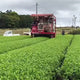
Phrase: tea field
[40,58]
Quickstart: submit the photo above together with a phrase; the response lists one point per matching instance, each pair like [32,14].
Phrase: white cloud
[63,14]
[62,9]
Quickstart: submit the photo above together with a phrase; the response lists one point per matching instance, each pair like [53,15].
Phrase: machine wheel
[51,36]
[32,35]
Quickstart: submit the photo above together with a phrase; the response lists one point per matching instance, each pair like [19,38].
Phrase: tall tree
[11,19]
[25,21]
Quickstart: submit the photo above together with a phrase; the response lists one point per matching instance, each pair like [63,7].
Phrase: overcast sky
[62,9]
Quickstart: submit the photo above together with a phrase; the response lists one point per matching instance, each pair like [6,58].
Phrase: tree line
[11,19]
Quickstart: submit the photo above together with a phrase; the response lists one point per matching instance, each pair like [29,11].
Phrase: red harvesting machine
[43,25]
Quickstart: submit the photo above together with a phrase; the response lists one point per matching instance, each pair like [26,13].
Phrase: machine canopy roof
[42,15]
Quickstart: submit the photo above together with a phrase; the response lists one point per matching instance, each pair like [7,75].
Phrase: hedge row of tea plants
[12,38]
[71,66]
[35,62]
[74,32]
[8,46]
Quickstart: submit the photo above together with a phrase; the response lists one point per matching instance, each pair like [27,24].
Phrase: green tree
[10,19]
[25,21]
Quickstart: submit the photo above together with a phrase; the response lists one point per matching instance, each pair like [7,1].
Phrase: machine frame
[48,25]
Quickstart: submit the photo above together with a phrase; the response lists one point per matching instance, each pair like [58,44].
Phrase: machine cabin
[43,24]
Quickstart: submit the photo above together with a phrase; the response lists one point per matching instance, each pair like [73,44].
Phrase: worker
[63,32]
[36,21]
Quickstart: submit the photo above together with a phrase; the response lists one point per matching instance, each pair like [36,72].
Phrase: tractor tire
[32,35]
[51,36]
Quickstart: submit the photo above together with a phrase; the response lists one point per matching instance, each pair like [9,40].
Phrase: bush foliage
[10,19]
[76,31]
[35,62]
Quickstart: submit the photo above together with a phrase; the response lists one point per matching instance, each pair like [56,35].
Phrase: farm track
[70,70]
[58,75]
[25,45]
[65,52]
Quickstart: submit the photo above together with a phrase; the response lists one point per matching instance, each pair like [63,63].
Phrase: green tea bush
[70,69]
[12,38]
[76,31]
[8,46]
[35,62]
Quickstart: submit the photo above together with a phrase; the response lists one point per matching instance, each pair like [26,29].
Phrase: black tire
[32,35]
[51,36]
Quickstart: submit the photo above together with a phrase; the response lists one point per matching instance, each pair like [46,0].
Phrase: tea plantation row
[70,69]
[12,38]
[35,62]
[11,45]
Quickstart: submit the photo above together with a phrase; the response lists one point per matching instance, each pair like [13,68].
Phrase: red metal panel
[38,15]
[42,15]
[35,28]
[42,32]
